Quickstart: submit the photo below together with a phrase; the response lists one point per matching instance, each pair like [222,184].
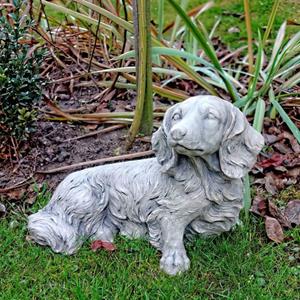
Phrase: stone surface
[193,186]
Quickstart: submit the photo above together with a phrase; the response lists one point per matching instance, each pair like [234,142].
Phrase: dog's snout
[178,133]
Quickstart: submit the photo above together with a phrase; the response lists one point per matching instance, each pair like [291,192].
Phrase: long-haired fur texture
[194,185]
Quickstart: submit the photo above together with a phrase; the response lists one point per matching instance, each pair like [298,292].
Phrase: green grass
[260,12]
[237,265]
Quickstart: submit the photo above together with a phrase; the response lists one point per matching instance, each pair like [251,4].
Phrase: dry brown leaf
[275,212]
[270,183]
[294,144]
[274,161]
[292,212]
[259,206]
[98,244]
[274,230]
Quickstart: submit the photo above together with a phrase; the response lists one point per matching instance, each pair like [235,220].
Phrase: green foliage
[20,82]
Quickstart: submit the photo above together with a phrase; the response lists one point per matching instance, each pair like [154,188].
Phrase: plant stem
[249,34]
[143,118]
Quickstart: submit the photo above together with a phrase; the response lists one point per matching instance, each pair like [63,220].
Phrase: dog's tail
[51,230]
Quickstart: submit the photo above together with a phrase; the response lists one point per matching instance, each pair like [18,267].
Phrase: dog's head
[205,125]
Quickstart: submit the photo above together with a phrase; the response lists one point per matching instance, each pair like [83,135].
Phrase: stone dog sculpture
[203,149]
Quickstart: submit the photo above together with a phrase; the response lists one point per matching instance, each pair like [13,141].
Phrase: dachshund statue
[203,149]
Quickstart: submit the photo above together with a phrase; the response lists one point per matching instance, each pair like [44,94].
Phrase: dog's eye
[211,116]
[176,116]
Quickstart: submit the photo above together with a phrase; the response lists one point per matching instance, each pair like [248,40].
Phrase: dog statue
[194,185]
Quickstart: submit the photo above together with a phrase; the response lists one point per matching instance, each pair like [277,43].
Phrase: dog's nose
[178,133]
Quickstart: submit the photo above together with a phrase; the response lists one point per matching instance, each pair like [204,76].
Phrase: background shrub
[20,82]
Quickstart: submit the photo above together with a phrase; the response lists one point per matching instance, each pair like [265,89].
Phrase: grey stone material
[193,186]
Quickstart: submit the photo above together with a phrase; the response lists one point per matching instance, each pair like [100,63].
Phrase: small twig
[101,131]
[47,21]
[98,162]
[15,146]
[17,185]
[145,139]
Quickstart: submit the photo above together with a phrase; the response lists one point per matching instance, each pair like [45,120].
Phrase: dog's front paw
[174,261]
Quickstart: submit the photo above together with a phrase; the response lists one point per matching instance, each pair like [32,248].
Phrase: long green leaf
[160,19]
[292,81]
[284,116]
[258,67]
[206,46]
[247,195]
[169,52]
[271,20]
[259,115]
[277,44]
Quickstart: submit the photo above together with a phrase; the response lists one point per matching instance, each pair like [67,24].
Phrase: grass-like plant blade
[277,44]
[160,19]
[183,5]
[258,125]
[207,48]
[259,115]
[169,52]
[247,196]
[284,116]
[271,20]
[292,81]
[258,67]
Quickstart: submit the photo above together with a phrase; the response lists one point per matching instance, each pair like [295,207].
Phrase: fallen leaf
[270,183]
[293,172]
[274,161]
[282,148]
[109,246]
[275,212]
[292,22]
[274,230]
[292,160]
[294,144]
[292,212]
[259,206]
[233,30]
[270,138]
[98,244]
[16,194]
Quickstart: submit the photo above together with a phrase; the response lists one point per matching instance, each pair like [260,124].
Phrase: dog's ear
[165,154]
[240,146]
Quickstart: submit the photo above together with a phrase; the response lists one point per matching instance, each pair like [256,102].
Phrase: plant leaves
[98,244]
[285,117]
[274,230]
[292,212]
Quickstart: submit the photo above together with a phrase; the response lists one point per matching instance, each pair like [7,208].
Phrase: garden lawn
[231,13]
[236,265]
